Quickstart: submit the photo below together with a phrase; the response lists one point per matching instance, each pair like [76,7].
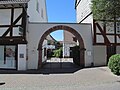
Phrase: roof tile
[13,1]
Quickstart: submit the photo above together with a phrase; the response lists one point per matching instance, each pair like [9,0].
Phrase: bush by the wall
[114,64]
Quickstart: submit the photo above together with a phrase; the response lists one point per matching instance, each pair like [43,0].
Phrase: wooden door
[111,50]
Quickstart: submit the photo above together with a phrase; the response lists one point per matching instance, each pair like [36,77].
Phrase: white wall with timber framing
[106,41]
[12,18]
[13,25]
[5,19]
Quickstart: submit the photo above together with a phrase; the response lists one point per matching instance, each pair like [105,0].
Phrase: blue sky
[62,11]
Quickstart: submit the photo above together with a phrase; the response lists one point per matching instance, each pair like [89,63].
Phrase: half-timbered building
[106,40]
[15,16]
[24,28]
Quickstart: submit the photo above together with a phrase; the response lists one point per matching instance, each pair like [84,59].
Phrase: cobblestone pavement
[99,78]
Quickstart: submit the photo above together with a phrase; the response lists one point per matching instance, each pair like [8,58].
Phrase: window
[8,56]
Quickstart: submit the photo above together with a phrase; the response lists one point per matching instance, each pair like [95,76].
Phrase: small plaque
[21,55]
[89,53]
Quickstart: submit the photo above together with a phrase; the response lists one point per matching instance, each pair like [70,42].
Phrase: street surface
[49,78]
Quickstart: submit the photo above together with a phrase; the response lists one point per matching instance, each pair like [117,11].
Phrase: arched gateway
[37,32]
[69,29]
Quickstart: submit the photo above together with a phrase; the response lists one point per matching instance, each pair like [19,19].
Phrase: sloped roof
[13,1]
[49,37]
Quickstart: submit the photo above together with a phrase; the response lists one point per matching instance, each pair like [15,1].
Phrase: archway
[69,29]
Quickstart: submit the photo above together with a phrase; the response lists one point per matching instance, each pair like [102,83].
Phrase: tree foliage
[58,53]
[105,9]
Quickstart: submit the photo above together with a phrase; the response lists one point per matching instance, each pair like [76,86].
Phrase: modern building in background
[69,40]
[48,47]
[106,41]
[15,44]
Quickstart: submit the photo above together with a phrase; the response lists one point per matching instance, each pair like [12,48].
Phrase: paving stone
[99,78]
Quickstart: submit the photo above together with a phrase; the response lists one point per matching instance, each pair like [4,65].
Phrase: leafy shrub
[58,53]
[114,64]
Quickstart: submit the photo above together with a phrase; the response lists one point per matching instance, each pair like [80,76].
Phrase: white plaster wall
[34,15]
[83,9]
[36,30]
[99,55]
[89,19]
[22,57]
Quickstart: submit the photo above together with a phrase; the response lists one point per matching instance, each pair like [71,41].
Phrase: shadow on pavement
[48,68]
[59,68]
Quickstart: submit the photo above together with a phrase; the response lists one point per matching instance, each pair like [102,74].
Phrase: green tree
[58,53]
[106,10]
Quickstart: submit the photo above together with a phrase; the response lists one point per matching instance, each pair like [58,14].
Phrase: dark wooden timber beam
[110,34]
[9,7]
[103,34]
[107,20]
[24,21]
[8,30]
[4,5]
[94,28]
[9,26]
[12,18]
[115,44]
[13,40]
[12,5]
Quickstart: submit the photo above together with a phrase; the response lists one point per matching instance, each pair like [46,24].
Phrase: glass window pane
[1,56]
[17,32]
[17,13]
[5,16]
[10,56]
[3,30]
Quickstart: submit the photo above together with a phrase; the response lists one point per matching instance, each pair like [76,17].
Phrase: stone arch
[69,29]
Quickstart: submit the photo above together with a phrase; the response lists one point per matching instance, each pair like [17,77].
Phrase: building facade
[47,47]
[15,16]
[69,40]
[106,41]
